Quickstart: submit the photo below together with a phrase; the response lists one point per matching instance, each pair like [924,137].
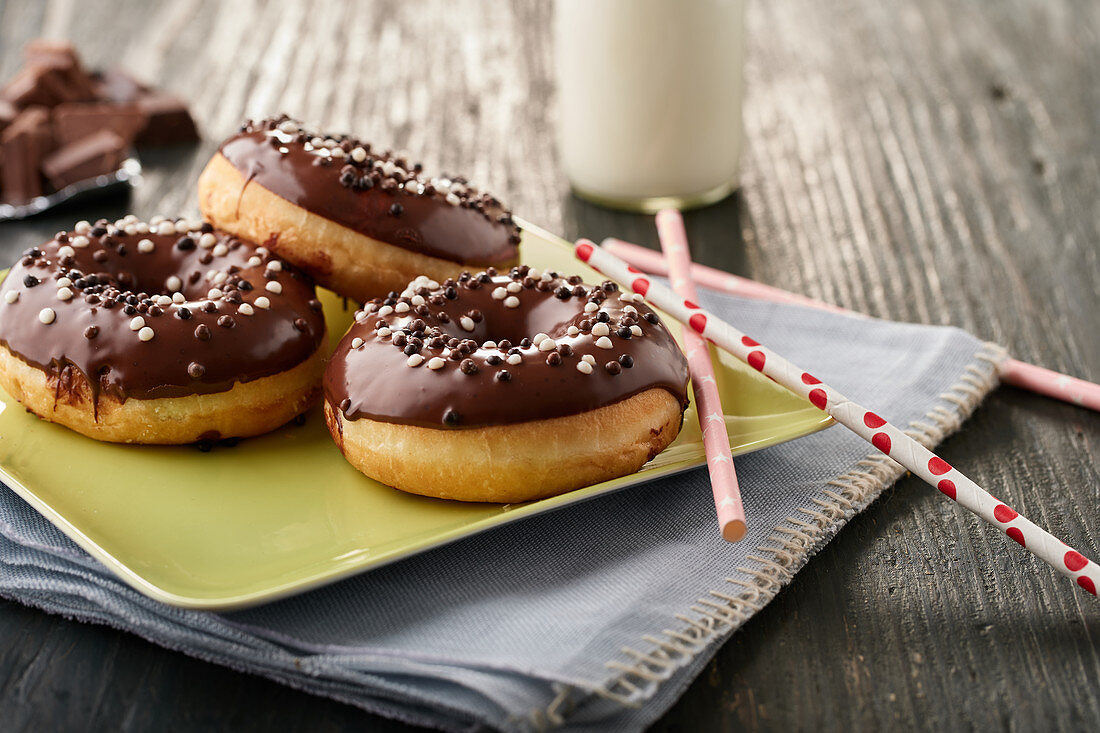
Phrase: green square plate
[283,513]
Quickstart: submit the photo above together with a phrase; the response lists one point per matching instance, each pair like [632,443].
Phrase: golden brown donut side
[246,409]
[512,463]
[339,258]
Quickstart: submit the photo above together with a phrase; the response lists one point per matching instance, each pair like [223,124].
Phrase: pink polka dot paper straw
[864,423]
[1016,373]
[712,419]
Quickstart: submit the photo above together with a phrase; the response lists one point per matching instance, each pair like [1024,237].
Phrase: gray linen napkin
[597,616]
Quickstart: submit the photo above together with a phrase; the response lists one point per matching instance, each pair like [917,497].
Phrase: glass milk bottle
[650,100]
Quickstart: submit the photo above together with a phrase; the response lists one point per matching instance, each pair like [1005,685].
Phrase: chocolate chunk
[73,122]
[115,85]
[169,121]
[23,144]
[91,156]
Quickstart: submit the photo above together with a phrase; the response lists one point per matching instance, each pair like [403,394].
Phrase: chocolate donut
[504,388]
[362,222]
[160,332]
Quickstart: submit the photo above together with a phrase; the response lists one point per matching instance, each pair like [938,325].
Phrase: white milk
[650,99]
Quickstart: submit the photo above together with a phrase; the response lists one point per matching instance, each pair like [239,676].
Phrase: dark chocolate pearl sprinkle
[565,349]
[411,349]
[493,360]
[206,228]
[91,332]
[476,316]
[99,255]
[574,280]
[585,326]
[651,317]
[30,281]
[624,333]
[563,293]
[396,210]
[185,244]
[183,313]
[504,376]
[195,370]
[91,299]
[542,286]
[450,293]
[504,344]
[603,317]
[129,310]
[206,258]
[613,367]
[233,296]
[450,417]
[468,366]
[155,310]
[301,324]
[456,355]
[400,339]
[209,307]
[553,358]
[202,332]
[626,360]
[345,404]
[98,231]
[525,343]
[226,322]
[246,286]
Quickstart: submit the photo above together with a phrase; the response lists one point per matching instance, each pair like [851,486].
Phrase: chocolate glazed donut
[361,221]
[159,332]
[504,388]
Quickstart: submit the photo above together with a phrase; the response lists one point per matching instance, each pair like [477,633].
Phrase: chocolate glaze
[383,196]
[374,380]
[101,343]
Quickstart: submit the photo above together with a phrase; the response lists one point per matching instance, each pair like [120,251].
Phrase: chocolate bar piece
[75,121]
[115,85]
[22,146]
[169,123]
[93,155]
[7,113]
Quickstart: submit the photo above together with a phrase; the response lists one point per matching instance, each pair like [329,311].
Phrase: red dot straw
[1016,373]
[712,419]
[864,423]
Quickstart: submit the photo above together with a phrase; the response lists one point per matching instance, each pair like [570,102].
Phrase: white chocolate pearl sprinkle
[356,342]
[64,294]
[220,250]
[336,152]
[538,338]
[600,329]
[358,155]
[514,359]
[262,302]
[254,261]
[636,330]
[589,358]
[584,367]
[141,228]
[548,344]
[245,309]
[79,241]
[360,316]
[467,323]
[214,293]
[514,287]
[146,334]
[145,246]
[546,277]
[46,315]
[591,307]
[64,282]
[157,219]
[435,363]
[207,240]
[82,227]
[604,342]
[136,323]
[445,353]
[418,300]
[631,310]
[182,226]
[289,127]
[489,345]
[66,251]
[534,273]
[221,277]
[262,251]
[500,294]
[385,310]
[415,360]
[177,297]
[273,286]
[511,302]
[275,265]
[210,275]
[384,332]
[166,228]
[130,229]
[173,283]
[401,308]
[11,296]
[163,300]
[572,330]
[452,199]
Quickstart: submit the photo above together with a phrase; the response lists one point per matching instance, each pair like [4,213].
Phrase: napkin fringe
[791,544]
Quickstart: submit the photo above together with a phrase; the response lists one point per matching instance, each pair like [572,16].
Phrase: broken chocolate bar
[22,146]
[75,121]
[169,122]
[93,155]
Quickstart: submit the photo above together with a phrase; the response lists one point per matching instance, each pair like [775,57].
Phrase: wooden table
[933,162]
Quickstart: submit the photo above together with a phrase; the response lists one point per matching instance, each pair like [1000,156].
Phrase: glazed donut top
[377,193]
[166,308]
[490,349]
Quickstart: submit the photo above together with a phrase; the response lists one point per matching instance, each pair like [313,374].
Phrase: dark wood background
[932,162]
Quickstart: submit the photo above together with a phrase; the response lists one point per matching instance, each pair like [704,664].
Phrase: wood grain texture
[933,162]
